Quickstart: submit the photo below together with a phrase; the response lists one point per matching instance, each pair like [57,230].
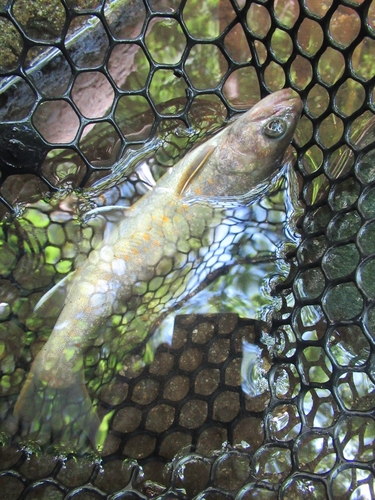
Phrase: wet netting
[266,389]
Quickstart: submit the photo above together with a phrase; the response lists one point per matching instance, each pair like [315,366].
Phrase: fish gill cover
[227,407]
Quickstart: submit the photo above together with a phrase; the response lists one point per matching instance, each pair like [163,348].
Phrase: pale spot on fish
[61,326]
[97,300]
[106,254]
[118,267]
[101,286]
[105,267]
[94,258]
[85,289]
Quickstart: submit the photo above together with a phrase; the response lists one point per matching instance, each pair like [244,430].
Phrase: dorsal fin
[194,168]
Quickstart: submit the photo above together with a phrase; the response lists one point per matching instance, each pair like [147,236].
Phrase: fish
[148,261]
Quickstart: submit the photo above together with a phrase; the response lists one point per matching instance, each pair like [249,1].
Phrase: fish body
[148,262]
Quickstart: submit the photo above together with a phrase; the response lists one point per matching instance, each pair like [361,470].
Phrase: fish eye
[275,128]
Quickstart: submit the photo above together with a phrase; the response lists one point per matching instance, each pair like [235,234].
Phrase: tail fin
[61,417]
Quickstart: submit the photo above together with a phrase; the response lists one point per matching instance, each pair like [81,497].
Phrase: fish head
[246,154]
[256,142]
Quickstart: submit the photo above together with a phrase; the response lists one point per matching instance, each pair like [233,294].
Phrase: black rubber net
[272,398]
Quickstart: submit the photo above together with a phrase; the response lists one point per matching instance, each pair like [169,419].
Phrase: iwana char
[136,273]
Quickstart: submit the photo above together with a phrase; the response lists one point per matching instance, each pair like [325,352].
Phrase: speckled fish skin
[149,242]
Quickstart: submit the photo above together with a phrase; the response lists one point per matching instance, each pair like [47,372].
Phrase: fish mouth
[287,98]
[278,103]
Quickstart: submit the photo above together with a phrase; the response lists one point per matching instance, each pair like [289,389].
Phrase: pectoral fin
[53,300]
[106,211]
[193,168]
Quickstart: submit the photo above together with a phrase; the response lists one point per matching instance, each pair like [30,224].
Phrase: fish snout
[278,103]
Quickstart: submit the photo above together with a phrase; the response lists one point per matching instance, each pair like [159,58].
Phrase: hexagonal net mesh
[280,406]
